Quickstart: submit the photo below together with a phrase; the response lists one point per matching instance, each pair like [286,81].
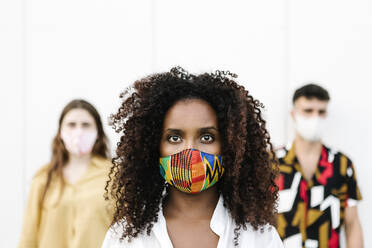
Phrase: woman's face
[78,119]
[190,123]
[79,132]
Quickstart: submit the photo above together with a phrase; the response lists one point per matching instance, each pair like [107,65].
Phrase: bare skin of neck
[75,167]
[188,218]
[308,154]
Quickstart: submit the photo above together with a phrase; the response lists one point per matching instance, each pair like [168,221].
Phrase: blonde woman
[66,207]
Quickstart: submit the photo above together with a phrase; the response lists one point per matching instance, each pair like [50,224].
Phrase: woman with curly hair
[193,166]
[66,207]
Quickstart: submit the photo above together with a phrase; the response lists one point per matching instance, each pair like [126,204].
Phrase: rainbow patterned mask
[191,170]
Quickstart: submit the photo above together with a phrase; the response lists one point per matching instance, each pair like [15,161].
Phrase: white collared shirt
[221,223]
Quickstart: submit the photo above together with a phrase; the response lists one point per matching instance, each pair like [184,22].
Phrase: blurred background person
[318,187]
[65,206]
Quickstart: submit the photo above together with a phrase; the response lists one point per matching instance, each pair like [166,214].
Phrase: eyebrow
[173,130]
[201,130]
[309,108]
[206,129]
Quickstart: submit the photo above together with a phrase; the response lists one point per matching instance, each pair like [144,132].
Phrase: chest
[191,234]
[83,197]
[72,174]
[309,165]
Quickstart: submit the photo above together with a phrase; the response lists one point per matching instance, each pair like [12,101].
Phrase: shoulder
[266,236]
[335,154]
[113,239]
[101,162]
[102,165]
[39,180]
[281,152]
[42,171]
[343,157]
[340,161]
[41,175]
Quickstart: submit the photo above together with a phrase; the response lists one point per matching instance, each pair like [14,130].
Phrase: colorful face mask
[191,170]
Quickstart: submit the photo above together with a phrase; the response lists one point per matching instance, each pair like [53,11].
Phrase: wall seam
[287,67]
[153,7]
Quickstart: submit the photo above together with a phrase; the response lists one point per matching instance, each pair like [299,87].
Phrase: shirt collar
[291,155]
[160,230]
[219,218]
[97,161]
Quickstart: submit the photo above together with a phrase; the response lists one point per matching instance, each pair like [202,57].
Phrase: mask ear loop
[165,193]
[166,185]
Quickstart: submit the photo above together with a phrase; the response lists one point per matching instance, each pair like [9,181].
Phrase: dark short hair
[311,91]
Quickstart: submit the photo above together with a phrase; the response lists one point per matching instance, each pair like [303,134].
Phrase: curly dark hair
[136,186]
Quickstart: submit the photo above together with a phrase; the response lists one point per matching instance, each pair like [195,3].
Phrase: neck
[79,160]
[191,206]
[308,147]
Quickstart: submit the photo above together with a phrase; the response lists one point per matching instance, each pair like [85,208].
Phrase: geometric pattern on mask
[191,170]
[214,168]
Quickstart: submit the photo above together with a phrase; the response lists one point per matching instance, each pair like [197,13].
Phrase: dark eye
[174,139]
[322,112]
[86,124]
[71,124]
[207,138]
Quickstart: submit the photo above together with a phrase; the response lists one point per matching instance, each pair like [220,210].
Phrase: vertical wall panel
[12,119]
[80,49]
[245,37]
[330,43]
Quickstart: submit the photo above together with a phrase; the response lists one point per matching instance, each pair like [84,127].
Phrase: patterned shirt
[312,212]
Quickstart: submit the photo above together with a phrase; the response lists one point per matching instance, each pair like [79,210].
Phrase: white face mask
[79,142]
[310,128]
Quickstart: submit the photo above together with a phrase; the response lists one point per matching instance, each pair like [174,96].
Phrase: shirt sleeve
[353,192]
[108,242]
[112,237]
[269,237]
[31,217]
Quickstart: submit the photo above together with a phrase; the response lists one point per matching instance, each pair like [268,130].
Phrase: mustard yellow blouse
[79,217]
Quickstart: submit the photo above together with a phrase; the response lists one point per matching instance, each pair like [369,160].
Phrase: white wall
[330,43]
[53,51]
[12,120]
[245,37]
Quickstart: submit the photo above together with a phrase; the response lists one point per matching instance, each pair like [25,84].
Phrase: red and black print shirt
[312,212]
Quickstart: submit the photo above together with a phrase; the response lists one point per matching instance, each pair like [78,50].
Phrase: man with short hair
[318,187]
